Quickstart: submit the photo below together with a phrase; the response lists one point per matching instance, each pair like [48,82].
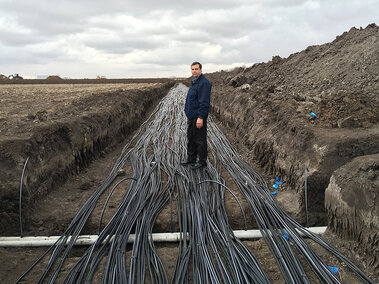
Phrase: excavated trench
[67,147]
[284,141]
[263,110]
[83,161]
[276,146]
[65,144]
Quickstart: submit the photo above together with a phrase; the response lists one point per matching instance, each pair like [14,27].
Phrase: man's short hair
[197,63]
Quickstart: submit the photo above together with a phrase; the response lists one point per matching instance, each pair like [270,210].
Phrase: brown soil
[74,132]
[265,110]
[352,204]
[53,213]
[20,259]
[58,80]
[53,78]
[61,128]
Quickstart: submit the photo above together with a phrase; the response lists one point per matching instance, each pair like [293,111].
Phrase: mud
[74,132]
[351,201]
[13,268]
[265,110]
[61,128]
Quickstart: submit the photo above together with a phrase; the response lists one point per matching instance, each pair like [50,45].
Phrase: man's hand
[199,123]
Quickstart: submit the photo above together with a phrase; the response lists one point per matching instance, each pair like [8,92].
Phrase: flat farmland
[27,107]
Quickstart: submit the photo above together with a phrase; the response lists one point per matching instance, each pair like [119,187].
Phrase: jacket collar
[197,79]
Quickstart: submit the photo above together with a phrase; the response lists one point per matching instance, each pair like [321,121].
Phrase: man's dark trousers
[197,142]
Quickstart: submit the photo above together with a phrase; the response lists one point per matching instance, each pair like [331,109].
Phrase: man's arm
[204,102]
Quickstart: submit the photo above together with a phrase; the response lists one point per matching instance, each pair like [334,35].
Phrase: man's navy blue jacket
[198,98]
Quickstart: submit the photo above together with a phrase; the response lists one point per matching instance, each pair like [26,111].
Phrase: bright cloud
[148,38]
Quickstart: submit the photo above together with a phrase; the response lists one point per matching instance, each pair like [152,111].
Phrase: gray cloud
[159,37]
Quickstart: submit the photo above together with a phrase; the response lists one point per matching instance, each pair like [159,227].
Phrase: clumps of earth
[265,110]
[338,81]
[313,112]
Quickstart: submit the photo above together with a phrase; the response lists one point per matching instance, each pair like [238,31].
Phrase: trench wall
[282,144]
[352,203]
[63,148]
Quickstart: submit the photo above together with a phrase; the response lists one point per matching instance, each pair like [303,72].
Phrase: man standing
[197,109]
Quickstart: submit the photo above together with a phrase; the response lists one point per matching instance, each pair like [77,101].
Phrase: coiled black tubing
[208,248]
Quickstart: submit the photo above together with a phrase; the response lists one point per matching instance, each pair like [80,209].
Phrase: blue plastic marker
[275,185]
[313,114]
[285,236]
[278,181]
[334,269]
[274,193]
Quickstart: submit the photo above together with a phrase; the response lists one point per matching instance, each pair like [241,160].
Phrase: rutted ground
[61,128]
[264,109]
[14,268]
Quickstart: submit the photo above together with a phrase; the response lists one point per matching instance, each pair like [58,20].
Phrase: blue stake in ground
[313,114]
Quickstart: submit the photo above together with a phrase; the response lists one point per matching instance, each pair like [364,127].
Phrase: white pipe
[157,237]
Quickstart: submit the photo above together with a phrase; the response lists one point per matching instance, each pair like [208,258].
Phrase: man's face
[196,71]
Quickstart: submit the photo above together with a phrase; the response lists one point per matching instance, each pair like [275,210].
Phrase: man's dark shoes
[198,166]
[187,163]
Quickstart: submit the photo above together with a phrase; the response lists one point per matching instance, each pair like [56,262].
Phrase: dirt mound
[336,80]
[54,78]
[266,110]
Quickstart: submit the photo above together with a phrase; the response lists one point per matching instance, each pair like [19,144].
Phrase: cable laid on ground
[20,200]
[208,249]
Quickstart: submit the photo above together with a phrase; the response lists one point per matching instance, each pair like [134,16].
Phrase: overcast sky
[151,38]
